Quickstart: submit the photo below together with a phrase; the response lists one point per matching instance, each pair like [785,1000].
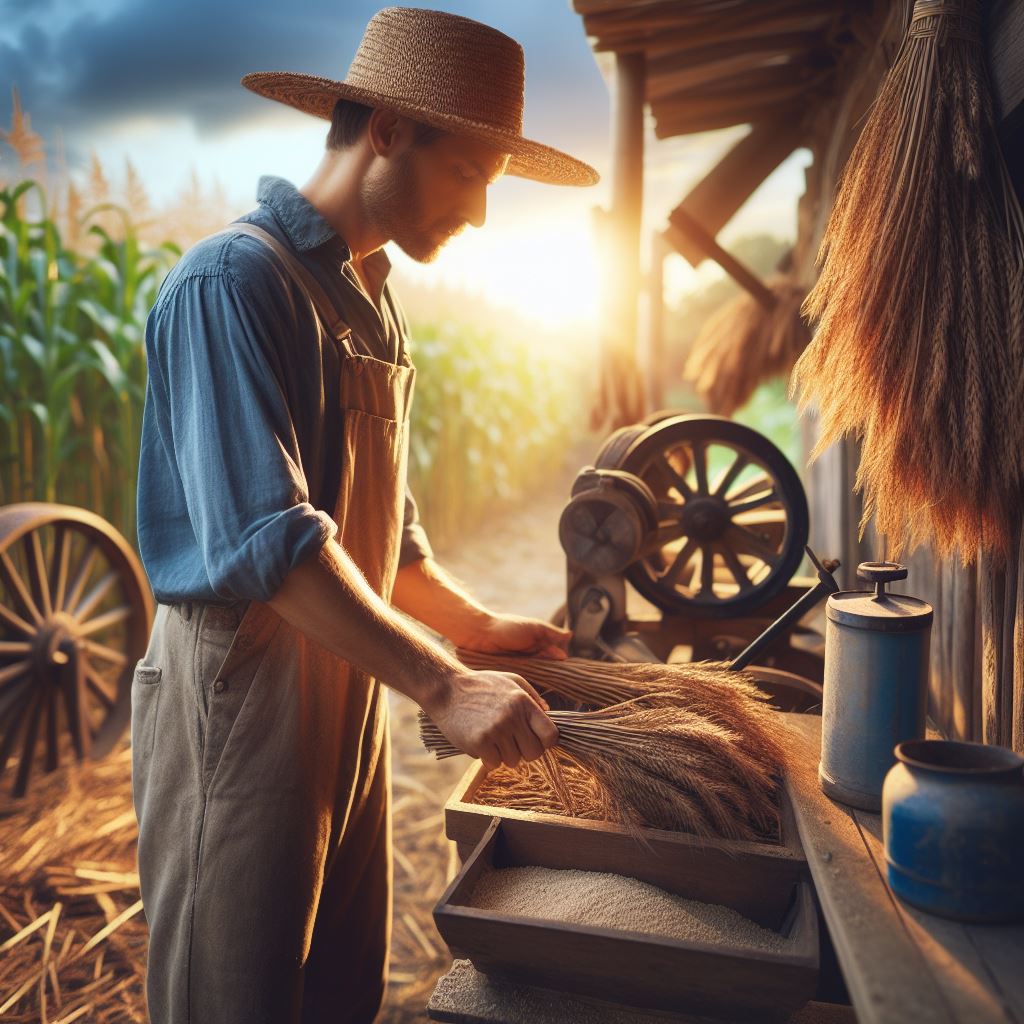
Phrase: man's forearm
[328,598]
[426,592]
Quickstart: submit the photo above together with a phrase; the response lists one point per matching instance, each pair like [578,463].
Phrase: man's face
[425,194]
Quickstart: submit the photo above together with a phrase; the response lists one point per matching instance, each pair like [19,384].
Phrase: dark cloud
[185,59]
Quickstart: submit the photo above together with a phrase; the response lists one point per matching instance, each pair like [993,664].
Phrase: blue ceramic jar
[953,827]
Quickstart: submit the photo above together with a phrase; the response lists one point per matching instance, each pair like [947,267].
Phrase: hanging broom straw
[919,350]
[698,760]
[743,344]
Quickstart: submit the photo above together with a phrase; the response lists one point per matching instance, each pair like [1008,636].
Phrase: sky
[158,82]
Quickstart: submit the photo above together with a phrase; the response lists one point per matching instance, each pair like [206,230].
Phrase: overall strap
[305,281]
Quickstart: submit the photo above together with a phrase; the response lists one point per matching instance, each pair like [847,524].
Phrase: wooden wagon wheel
[732,516]
[75,616]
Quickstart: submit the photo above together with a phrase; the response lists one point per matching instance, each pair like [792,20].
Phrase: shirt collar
[305,227]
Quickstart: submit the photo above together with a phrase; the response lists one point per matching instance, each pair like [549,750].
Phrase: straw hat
[444,70]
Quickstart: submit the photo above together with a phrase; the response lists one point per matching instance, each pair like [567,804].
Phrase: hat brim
[527,159]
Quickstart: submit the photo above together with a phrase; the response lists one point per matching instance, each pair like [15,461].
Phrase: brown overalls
[260,766]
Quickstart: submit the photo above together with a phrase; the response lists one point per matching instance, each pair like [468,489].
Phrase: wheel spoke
[100,687]
[28,749]
[15,583]
[61,557]
[52,740]
[744,542]
[736,567]
[707,571]
[13,728]
[15,621]
[104,653]
[736,508]
[675,479]
[93,598]
[19,668]
[78,722]
[755,486]
[110,618]
[700,465]
[728,478]
[669,510]
[81,577]
[38,578]
[674,571]
[14,647]
[12,694]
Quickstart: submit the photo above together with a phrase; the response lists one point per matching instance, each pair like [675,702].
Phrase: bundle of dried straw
[920,343]
[690,748]
[744,344]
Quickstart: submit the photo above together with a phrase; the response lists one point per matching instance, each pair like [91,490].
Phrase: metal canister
[876,684]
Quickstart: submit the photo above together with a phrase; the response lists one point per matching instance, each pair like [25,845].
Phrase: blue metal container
[876,684]
[953,826]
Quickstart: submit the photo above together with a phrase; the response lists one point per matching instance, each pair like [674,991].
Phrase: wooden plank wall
[977,650]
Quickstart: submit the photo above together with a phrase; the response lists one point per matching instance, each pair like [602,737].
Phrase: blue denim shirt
[239,462]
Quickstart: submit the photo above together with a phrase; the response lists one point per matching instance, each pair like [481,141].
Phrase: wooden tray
[630,967]
[739,868]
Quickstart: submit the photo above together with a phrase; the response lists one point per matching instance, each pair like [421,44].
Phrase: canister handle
[881,573]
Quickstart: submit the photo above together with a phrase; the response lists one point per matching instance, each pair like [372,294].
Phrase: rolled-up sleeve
[415,544]
[233,442]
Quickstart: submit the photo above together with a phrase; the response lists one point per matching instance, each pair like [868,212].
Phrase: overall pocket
[145,700]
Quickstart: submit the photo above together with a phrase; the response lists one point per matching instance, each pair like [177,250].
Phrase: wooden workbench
[899,964]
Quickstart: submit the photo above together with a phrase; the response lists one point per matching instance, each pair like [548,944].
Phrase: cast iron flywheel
[731,512]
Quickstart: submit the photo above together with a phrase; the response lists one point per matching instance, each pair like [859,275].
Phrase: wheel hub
[55,644]
[704,519]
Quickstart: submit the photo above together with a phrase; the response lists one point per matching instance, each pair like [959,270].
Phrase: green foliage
[490,416]
[72,359]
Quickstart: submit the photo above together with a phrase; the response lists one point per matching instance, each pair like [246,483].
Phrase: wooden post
[656,321]
[627,202]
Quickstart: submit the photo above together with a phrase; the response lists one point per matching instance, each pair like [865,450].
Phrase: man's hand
[514,634]
[496,716]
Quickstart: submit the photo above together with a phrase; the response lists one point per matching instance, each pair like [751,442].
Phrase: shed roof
[717,63]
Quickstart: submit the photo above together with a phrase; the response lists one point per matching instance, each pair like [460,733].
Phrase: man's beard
[392,202]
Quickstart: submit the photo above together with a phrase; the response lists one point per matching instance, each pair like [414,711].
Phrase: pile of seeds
[604,900]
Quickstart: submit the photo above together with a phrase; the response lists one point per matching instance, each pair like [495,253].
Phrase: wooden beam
[666,38]
[714,200]
[757,43]
[629,8]
[679,121]
[753,86]
[683,233]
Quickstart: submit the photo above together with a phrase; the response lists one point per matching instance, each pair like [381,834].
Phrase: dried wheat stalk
[693,752]
[744,344]
[919,350]
[711,689]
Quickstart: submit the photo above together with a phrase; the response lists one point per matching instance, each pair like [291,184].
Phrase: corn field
[490,418]
[487,420]
[72,359]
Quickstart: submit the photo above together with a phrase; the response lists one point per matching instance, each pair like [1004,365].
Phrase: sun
[545,267]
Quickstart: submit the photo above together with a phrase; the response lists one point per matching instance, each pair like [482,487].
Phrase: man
[275,527]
